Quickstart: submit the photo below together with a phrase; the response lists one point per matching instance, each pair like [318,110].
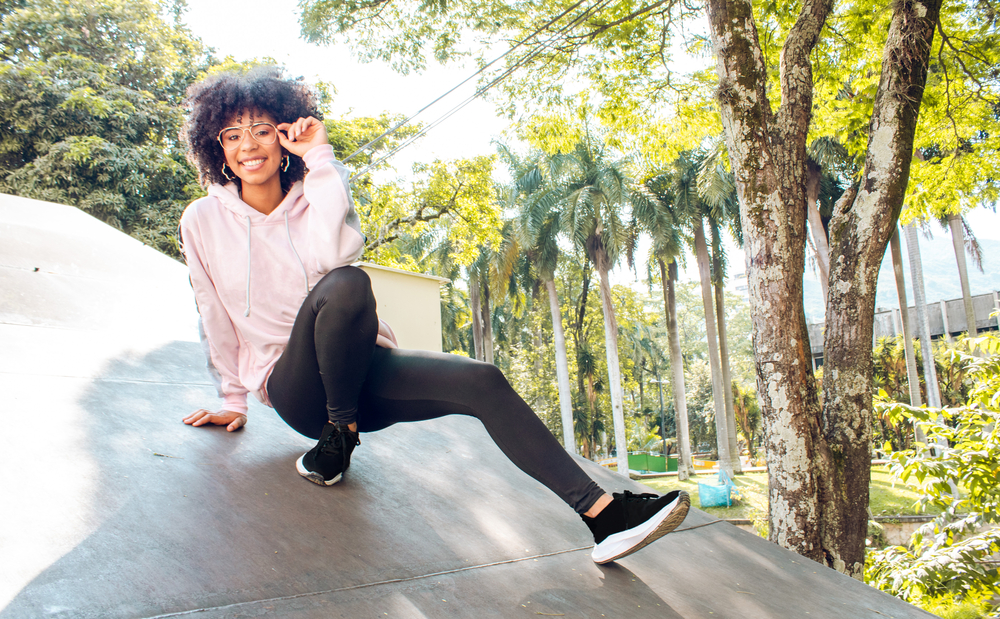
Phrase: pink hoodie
[251,271]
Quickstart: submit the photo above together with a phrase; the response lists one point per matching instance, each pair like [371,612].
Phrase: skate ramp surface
[112,508]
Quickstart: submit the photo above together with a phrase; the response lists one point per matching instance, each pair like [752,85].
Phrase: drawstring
[294,251]
[247,312]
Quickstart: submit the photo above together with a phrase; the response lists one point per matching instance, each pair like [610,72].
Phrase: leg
[319,376]
[407,385]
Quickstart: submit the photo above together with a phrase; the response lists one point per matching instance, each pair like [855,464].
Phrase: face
[254,163]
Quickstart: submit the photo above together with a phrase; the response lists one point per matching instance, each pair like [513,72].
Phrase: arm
[334,225]
[220,335]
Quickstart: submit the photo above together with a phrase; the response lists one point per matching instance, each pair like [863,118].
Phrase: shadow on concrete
[199,518]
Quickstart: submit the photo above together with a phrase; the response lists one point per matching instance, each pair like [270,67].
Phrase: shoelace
[342,435]
[630,497]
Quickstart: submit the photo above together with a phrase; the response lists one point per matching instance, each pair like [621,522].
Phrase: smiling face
[254,163]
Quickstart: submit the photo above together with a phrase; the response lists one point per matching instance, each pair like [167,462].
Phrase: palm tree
[538,232]
[912,378]
[962,239]
[667,248]
[827,160]
[923,328]
[717,188]
[597,192]
[687,200]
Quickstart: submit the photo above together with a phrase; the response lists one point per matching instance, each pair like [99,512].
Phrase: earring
[226,174]
[284,164]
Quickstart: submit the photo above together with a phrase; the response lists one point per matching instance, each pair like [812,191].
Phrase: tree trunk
[487,324]
[684,466]
[820,243]
[477,317]
[562,369]
[818,460]
[727,379]
[912,378]
[923,328]
[718,393]
[958,241]
[614,369]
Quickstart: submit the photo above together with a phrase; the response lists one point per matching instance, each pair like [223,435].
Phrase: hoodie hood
[229,196]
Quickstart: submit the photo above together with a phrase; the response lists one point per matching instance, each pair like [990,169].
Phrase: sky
[369,89]
[362,89]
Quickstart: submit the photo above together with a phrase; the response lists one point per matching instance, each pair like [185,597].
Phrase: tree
[951,554]
[689,203]
[539,227]
[820,461]
[923,327]
[819,479]
[89,111]
[961,237]
[597,192]
[661,223]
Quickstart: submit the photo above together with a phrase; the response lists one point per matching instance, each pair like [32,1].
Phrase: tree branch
[796,70]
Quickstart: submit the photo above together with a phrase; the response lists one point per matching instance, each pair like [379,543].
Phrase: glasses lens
[231,137]
[265,133]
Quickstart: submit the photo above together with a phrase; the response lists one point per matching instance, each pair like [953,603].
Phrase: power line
[463,82]
[598,6]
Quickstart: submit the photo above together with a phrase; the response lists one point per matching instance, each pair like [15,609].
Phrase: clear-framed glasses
[231,137]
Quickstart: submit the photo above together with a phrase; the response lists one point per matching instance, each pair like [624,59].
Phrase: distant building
[738,284]
[945,318]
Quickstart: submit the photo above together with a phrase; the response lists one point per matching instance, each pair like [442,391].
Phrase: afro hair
[214,101]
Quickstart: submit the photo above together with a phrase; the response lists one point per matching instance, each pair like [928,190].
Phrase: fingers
[199,418]
[301,127]
[384,342]
[232,421]
[238,423]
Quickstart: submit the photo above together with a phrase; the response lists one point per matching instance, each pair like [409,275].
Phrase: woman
[288,319]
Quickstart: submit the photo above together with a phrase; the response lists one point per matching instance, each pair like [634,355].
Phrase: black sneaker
[325,463]
[633,521]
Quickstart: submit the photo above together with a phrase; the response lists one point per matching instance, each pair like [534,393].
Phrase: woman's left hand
[302,135]
[386,338]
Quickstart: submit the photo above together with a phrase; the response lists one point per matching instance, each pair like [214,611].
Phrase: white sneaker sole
[315,478]
[628,541]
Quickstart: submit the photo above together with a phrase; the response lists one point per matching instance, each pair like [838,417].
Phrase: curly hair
[215,100]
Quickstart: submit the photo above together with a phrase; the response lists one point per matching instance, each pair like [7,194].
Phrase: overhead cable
[463,82]
[531,55]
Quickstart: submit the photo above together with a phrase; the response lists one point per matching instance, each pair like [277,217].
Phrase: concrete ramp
[110,507]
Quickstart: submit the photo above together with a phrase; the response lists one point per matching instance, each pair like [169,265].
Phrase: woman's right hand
[232,421]
[302,135]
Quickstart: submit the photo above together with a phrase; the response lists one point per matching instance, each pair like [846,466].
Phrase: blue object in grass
[716,495]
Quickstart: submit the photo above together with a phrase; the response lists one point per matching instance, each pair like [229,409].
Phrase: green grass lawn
[886,498]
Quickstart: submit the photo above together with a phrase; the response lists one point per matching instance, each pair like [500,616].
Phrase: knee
[488,377]
[348,288]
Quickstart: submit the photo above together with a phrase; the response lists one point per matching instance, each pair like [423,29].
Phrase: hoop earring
[226,174]
[284,164]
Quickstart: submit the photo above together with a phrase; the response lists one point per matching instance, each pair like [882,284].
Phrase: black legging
[331,370]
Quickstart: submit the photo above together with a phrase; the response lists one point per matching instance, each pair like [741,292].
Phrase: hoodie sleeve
[223,344]
[334,227]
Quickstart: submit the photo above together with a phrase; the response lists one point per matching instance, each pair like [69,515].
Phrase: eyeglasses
[264,133]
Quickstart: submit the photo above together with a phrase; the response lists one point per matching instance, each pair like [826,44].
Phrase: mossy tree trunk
[818,459]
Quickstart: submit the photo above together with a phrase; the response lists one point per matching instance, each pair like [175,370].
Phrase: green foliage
[450,204]
[89,111]
[957,472]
